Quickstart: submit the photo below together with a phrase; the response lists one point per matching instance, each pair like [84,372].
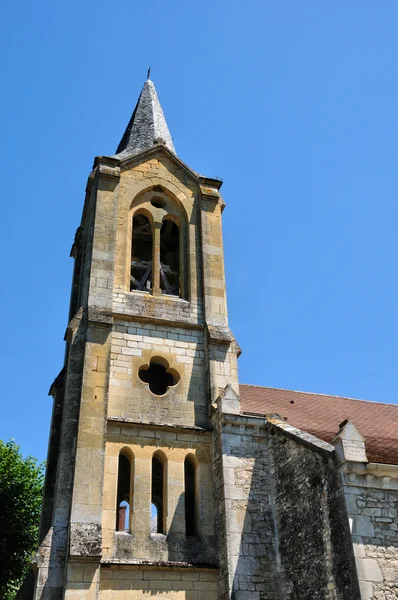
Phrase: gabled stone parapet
[350,444]
[299,436]
[228,402]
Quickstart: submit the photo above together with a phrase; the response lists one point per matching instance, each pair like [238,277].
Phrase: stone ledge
[161,426]
[381,469]
[108,172]
[210,193]
[156,565]
[219,334]
[97,316]
[157,321]
[370,475]
[243,419]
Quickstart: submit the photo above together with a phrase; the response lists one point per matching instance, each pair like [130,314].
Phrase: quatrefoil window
[158,375]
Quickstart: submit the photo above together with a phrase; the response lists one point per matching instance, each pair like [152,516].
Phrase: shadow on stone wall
[199,382]
[197,549]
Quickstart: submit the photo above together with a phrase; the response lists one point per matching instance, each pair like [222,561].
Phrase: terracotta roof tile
[321,416]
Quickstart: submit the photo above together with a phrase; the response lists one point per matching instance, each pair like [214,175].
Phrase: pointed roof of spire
[147,125]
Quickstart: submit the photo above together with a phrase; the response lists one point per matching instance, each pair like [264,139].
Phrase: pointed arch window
[124,500]
[190,496]
[158,500]
[141,254]
[159,263]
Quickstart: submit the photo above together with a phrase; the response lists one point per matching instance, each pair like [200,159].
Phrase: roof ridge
[266,387]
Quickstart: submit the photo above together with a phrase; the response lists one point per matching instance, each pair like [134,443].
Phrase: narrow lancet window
[124,494]
[190,497]
[141,254]
[157,496]
[170,258]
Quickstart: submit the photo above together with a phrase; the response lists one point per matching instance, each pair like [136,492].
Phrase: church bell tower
[131,507]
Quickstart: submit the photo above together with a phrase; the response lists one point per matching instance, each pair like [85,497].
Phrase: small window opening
[124,516]
[154,518]
[141,254]
[158,203]
[157,499]
[123,494]
[158,377]
[190,493]
[170,258]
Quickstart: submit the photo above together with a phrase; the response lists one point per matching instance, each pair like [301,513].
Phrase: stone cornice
[108,171]
[161,565]
[370,475]
[157,426]
[381,469]
[157,321]
[219,334]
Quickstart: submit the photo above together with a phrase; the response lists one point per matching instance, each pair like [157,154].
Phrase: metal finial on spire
[149,72]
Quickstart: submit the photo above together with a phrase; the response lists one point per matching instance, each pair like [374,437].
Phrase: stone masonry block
[368,569]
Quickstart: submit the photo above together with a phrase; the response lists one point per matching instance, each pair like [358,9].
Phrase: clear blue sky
[293,104]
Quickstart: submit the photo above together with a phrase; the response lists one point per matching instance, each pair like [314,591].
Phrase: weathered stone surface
[85,540]
[311,522]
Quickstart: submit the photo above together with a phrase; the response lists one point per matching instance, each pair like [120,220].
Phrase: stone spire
[147,125]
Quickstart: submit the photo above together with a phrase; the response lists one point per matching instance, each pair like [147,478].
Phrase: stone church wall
[312,534]
[371,493]
[141,584]
[133,344]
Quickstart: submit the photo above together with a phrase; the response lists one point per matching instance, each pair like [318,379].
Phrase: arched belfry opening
[124,493]
[141,254]
[170,258]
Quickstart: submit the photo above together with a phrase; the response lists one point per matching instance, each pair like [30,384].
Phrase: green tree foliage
[21,486]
